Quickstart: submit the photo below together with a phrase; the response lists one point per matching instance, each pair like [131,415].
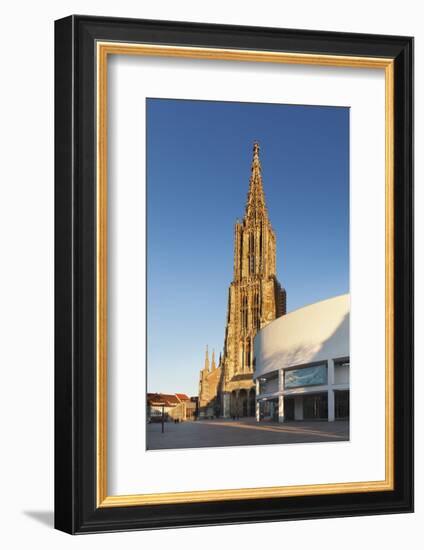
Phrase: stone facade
[255,298]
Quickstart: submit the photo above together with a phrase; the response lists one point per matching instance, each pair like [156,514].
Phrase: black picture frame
[76,509]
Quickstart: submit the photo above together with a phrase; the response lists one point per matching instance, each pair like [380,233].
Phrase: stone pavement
[246,431]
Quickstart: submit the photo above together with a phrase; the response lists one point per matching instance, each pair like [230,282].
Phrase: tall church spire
[255,296]
[255,207]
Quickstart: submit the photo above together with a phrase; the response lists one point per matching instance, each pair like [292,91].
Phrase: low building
[302,364]
[190,406]
[191,410]
[178,406]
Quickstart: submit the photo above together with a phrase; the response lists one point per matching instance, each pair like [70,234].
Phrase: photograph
[248,297]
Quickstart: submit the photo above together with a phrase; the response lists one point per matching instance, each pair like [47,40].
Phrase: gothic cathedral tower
[255,298]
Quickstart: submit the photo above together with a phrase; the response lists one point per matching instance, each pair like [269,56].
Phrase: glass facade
[308,376]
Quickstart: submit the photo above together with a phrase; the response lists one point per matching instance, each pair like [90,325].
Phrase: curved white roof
[312,333]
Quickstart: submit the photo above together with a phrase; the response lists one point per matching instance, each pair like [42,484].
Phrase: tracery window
[248,354]
[255,312]
[251,253]
[244,312]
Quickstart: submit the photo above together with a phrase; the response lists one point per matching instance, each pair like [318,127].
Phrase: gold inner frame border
[103,50]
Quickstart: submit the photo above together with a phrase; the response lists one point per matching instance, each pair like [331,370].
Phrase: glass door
[315,406]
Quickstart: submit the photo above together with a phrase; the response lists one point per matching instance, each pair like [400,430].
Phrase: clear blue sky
[198,167]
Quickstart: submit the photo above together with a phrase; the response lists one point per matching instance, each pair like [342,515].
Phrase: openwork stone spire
[256,207]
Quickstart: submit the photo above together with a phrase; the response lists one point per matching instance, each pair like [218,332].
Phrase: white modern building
[302,364]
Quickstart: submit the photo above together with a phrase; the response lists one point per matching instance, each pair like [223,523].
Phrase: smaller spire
[213,360]
[206,368]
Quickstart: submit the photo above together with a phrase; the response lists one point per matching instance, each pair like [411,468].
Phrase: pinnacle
[206,367]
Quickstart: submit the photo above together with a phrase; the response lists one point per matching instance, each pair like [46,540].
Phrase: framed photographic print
[233,272]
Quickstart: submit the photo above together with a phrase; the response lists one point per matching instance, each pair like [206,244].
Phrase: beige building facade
[255,298]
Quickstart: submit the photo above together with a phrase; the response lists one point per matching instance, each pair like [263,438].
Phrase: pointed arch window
[248,354]
[244,311]
[251,253]
[241,257]
[256,311]
[261,237]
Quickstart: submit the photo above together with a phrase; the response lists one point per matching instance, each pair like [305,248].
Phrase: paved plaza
[246,431]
